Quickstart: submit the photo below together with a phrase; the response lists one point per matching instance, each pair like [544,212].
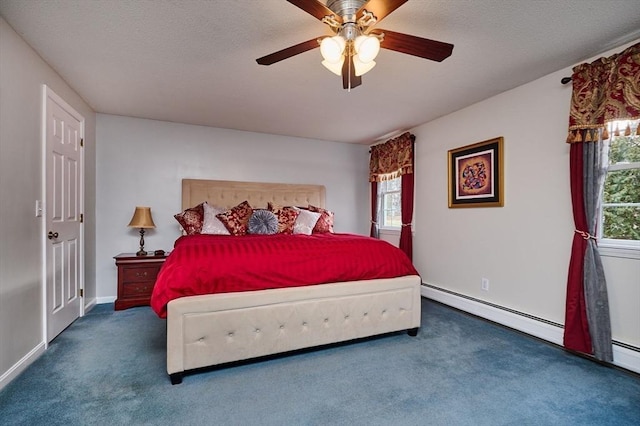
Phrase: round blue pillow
[263,222]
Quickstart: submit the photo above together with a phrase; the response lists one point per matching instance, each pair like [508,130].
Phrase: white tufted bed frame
[221,328]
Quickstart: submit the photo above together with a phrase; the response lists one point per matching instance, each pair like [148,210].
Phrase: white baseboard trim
[90,305]
[622,357]
[22,364]
[107,299]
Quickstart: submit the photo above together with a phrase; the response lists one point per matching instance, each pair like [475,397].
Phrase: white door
[63,209]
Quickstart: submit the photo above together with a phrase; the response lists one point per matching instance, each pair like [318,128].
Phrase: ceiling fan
[351,51]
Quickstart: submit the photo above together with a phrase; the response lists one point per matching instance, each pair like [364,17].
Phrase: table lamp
[142,219]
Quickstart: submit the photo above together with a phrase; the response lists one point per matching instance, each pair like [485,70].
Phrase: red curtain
[406,194]
[576,326]
[605,90]
[390,160]
[374,209]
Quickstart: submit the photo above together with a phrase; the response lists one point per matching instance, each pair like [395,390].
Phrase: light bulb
[367,47]
[331,48]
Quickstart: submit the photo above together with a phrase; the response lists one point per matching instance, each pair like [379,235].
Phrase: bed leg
[413,332]
[176,378]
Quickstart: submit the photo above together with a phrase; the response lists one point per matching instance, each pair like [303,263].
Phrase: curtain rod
[565,80]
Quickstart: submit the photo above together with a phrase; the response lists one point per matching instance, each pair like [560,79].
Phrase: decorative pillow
[263,222]
[237,218]
[211,224]
[286,217]
[191,219]
[325,223]
[305,222]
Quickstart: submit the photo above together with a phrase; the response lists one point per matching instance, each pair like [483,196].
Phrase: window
[620,214]
[389,206]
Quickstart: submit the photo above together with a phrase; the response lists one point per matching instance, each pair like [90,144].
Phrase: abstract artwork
[476,175]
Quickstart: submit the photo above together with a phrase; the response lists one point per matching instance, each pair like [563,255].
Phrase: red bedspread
[203,264]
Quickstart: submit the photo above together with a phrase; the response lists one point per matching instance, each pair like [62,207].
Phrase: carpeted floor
[108,368]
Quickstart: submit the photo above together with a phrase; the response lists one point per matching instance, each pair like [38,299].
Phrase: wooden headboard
[227,194]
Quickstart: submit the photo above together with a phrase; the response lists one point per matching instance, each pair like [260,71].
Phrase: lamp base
[141,252]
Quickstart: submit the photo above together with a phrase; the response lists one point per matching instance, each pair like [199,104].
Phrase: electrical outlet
[485,284]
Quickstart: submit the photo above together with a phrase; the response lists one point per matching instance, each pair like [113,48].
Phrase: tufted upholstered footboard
[220,328]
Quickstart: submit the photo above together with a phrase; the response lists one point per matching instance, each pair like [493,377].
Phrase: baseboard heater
[625,355]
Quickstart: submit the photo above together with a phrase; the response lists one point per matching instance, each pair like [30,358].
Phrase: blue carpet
[108,368]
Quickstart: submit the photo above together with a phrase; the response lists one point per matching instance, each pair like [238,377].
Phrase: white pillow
[211,224]
[305,221]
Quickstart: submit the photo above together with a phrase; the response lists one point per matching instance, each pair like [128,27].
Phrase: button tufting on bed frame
[220,330]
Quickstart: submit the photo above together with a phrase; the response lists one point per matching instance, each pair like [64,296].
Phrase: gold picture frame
[476,174]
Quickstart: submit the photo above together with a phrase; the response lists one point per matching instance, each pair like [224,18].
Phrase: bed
[207,330]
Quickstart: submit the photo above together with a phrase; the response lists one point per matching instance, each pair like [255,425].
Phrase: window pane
[622,186]
[624,149]
[389,203]
[622,223]
[391,209]
[393,184]
[392,218]
[621,195]
[392,201]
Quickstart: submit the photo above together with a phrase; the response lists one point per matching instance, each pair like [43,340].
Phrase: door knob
[51,235]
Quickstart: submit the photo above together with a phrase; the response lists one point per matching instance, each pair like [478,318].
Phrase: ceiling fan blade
[289,52]
[349,77]
[315,9]
[416,46]
[380,8]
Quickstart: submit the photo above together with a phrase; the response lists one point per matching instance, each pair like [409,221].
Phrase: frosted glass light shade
[331,48]
[362,67]
[367,47]
[334,67]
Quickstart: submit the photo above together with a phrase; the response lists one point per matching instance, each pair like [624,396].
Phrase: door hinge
[81,217]
[81,142]
[81,292]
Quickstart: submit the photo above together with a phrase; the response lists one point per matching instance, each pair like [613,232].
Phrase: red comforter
[203,264]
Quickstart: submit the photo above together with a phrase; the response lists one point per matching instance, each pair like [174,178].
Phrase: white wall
[22,74]
[142,162]
[523,248]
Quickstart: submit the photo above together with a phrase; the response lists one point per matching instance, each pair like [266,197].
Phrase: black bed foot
[176,378]
[413,332]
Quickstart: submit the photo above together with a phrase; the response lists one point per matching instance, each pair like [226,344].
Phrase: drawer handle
[141,274]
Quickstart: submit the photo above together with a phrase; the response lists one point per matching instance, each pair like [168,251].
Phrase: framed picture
[476,175]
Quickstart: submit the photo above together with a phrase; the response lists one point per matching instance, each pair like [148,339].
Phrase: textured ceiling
[193,61]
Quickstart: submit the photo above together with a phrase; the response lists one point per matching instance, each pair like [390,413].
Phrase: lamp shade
[331,48]
[334,67]
[142,218]
[361,67]
[367,47]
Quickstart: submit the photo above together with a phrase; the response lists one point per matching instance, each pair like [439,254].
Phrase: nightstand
[136,278]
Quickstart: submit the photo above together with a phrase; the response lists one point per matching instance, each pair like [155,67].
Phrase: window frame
[613,247]
[382,191]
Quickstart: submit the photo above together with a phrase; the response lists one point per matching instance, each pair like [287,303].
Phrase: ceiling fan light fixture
[331,48]
[334,67]
[367,47]
[361,67]
[356,42]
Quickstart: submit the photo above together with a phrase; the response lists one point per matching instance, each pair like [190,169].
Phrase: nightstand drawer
[134,289]
[136,274]
[136,278]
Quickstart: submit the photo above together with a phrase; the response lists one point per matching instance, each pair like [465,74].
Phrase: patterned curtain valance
[605,90]
[392,159]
